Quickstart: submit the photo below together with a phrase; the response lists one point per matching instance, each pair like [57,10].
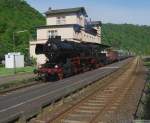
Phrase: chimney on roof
[50,8]
[90,20]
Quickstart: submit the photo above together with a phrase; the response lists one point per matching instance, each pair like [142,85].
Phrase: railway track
[12,88]
[24,104]
[107,100]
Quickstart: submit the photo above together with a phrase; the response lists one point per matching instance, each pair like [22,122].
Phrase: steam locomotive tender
[66,58]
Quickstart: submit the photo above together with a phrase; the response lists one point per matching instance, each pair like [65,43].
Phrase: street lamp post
[15,47]
[14,52]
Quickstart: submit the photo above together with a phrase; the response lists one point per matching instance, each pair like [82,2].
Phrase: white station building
[71,24]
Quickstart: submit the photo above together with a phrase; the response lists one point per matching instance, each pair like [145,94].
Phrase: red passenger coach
[112,56]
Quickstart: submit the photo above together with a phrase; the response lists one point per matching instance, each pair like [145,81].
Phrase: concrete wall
[32,50]
[64,32]
[40,59]
[81,20]
[68,33]
[69,19]
[86,37]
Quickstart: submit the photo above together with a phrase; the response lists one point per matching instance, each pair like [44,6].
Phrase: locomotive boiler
[66,58]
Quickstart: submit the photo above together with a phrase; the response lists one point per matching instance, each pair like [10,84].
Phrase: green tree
[16,15]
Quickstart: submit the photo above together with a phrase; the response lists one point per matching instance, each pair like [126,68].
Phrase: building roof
[95,23]
[102,46]
[68,10]
[57,26]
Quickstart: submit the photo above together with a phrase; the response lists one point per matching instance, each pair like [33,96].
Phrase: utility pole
[14,53]
[14,42]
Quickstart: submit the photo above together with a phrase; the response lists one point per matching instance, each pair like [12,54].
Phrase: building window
[61,20]
[52,33]
[80,20]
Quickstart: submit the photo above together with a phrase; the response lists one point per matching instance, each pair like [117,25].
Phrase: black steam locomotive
[66,58]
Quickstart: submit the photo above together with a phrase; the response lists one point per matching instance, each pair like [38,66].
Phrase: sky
[107,11]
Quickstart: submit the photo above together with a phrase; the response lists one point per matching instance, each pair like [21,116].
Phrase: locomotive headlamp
[56,66]
[49,44]
[39,66]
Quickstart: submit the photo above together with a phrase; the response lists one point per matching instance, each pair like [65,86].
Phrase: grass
[10,71]
[147,64]
[15,84]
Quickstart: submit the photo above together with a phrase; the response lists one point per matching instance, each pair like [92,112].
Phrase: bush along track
[142,111]
[146,115]
[146,98]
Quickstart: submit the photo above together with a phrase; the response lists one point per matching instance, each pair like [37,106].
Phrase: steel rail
[70,111]
[103,84]
[31,106]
